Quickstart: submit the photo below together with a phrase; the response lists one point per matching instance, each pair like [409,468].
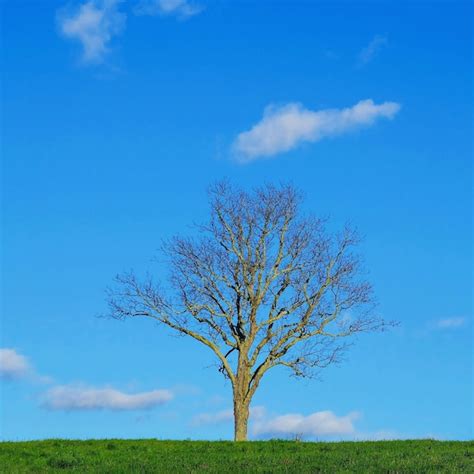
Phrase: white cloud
[73,397]
[13,365]
[451,323]
[180,8]
[322,423]
[93,24]
[283,128]
[372,49]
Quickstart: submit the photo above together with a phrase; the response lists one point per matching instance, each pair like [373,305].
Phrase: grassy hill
[143,456]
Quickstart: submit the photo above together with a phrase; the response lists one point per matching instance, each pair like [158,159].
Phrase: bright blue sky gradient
[100,162]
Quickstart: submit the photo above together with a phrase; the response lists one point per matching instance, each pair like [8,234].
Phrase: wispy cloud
[13,365]
[16,366]
[322,423]
[225,416]
[180,8]
[77,397]
[93,24]
[451,323]
[284,128]
[372,49]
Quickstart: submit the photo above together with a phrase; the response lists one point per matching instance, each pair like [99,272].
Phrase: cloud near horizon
[283,128]
[93,24]
[225,416]
[321,423]
[180,8]
[82,398]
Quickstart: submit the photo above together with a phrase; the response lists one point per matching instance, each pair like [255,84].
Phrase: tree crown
[259,280]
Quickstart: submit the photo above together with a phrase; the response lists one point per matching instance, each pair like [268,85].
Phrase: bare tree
[261,286]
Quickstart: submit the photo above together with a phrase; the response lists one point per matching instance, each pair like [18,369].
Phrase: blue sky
[118,115]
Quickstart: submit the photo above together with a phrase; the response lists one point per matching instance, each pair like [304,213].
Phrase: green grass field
[142,456]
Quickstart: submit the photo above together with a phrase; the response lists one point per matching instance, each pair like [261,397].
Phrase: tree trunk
[241,398]
[241,419]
